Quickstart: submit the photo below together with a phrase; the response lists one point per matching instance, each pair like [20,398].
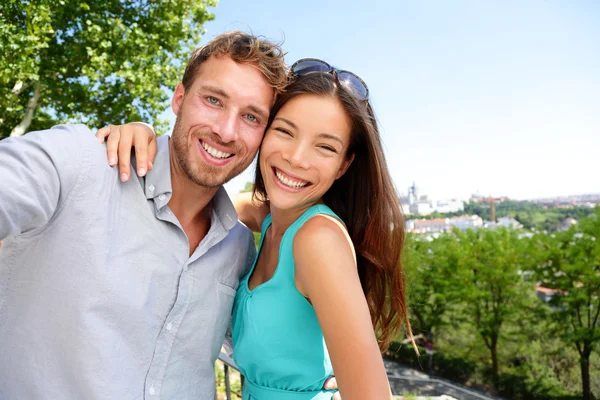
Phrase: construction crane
[491,201]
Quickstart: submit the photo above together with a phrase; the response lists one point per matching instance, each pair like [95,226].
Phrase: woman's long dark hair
[365,199]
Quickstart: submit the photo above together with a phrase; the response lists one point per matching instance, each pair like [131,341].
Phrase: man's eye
[251,118]
[213,100]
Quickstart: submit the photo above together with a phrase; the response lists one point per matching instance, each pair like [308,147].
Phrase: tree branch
[29,111]
[20,87]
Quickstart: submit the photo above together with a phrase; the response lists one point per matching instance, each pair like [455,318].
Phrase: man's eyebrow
[215,90]
[261,113]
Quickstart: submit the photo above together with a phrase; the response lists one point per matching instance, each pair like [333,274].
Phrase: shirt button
[185,268]
[151,391]
[151,188]
[161,197]
[169,326]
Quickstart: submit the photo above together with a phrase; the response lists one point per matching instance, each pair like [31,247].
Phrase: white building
[503,222]
[416,204]
[449,206]
[427,225]
[465,222]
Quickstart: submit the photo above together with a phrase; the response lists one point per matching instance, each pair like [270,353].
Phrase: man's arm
[37,172]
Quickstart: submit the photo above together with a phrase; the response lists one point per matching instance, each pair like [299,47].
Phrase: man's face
[220,120]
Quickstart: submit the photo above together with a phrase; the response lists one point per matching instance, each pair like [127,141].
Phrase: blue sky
[498,97]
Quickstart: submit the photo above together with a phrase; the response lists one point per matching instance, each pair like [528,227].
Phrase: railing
[227,364]
[443,383]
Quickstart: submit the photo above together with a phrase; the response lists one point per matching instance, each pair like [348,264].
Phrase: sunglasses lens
[305,66]
[353,83]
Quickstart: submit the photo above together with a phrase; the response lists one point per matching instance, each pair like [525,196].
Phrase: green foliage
[571,266]
[476,290]
[96,62]
[234,381]
[531,215]
[431,267]
[248,187]
[256,238]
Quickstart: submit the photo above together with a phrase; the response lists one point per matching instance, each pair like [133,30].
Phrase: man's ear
[178,98]
[344,166]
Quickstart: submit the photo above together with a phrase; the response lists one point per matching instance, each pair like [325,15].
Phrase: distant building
[466,222]
[546,294]
[421,208]
[567,223]
[449,206]
[439,225]
[509,222]
[427,225]
[416,204]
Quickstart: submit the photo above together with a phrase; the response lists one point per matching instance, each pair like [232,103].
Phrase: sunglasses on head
[349,80]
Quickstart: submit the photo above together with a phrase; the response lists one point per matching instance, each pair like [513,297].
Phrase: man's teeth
[288,182]
[214,152]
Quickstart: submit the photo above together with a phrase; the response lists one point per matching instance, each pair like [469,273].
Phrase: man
[113,290]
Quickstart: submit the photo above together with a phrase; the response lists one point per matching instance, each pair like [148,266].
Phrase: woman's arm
[251,212]
[326,273]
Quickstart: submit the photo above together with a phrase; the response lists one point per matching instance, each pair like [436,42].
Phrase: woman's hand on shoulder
[120,139]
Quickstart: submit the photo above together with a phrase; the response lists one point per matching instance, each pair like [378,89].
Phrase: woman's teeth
[214,152]
[288,182]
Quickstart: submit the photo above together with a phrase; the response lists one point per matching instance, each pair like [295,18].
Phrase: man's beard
[204,175]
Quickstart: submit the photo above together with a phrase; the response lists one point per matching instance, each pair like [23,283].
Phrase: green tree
[495,291]
[571,266]
[95,62]
[432,268]
[248,187]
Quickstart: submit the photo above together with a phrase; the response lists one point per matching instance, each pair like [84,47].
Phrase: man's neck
[189,201]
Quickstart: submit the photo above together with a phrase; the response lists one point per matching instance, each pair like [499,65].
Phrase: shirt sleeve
[37,173]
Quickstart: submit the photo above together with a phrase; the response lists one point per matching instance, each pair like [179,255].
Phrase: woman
[327,276]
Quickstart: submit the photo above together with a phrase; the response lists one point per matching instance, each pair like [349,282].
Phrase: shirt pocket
[226,289]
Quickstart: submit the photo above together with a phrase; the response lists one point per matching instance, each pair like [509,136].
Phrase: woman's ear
[344,166]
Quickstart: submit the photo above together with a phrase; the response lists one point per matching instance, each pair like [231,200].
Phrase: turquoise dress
[278,343]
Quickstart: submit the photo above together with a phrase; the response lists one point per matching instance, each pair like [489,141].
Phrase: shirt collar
[223,208]
[158,180]
[158,184]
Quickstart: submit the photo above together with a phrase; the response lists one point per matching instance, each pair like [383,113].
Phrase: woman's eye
[329,148]
[284,131]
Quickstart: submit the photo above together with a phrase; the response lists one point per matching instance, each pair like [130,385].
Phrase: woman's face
[304,151]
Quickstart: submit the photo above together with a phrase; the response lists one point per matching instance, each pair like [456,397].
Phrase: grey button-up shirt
[99,298]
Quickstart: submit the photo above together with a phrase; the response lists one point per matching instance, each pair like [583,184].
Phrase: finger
[331,383]
[102,133]
[337,396]
[125,145]
[112,145]
[141,156]
[152,150]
